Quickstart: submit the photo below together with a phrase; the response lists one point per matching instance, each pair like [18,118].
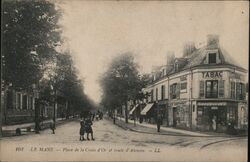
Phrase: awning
[131,111]
[147,108]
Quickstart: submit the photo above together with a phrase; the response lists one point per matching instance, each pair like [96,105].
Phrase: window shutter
[171,91]
[232,90]
[202,89]
[238,91]
[244,91]
[221,88]
[178,90]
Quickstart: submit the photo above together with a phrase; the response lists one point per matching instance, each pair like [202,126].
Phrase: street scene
[87,81]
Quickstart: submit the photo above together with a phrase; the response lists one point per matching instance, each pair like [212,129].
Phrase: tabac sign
[212,74]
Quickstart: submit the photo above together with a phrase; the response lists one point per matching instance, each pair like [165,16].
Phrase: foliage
[122,82]
[30,34]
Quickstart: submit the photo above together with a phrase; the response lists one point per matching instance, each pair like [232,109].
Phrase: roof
[198,56]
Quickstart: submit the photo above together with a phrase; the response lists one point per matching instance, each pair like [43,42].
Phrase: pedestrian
[53,126]
[88,128]
[214,124]
[100,115]
[159,122]
[82,130]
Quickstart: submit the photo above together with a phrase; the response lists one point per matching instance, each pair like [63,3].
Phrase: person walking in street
[82,130]
[88,128]
[53,126]
[159,122]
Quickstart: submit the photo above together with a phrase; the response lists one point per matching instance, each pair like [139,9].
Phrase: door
[174,116]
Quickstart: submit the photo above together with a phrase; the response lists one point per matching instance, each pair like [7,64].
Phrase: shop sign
[212,74]
[211,103]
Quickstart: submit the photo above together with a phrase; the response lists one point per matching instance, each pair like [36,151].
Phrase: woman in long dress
[214,123]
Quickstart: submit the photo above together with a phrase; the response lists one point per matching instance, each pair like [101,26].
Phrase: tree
[30,34]
[122,83]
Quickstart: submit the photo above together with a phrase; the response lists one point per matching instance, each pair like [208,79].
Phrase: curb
[13,132]
[175,134]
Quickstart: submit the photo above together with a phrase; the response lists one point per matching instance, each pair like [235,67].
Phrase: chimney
[188,48]
[170,57]
[212,40]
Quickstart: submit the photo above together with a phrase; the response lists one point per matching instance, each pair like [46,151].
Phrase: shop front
[216,116]
[180,114]
[162,111]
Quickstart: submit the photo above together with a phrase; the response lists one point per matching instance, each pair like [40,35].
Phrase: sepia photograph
[124,80]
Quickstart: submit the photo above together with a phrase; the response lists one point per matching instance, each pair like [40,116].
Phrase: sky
[96,31]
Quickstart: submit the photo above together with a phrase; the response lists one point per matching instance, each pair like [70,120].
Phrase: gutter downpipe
[168,103]
[190,97]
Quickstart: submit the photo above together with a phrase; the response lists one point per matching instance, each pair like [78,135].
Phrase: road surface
[109,136]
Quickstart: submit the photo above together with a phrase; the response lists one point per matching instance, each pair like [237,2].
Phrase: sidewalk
[152,129]
[10,130]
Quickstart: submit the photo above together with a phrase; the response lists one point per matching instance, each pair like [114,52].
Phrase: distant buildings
[203,90]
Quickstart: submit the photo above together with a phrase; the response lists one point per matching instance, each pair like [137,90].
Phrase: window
[184,87]
[193,108]
[18,101]
[152,95]
[9,100]
[241,91]
[202,89]
[156,94]
[212,58]
[212,89]
[232,89]
[24,105]
[221,88]
[162,92]
[173,91]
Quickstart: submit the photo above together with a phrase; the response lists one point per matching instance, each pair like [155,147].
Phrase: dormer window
[212,58]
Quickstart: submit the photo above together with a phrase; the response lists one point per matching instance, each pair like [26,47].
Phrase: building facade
[203,90]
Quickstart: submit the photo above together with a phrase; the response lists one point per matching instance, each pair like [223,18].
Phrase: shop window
[212,58]
[231,114]
[162,92]
[184,87]
[233,90]
[211,89]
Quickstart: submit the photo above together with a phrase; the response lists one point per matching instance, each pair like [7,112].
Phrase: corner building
[203,90]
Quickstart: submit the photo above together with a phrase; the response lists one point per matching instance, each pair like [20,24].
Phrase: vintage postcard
[124,80]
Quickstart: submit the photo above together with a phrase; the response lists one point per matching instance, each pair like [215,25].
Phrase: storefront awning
[131,111]
[147,108]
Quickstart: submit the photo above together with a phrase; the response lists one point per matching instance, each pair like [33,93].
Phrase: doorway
[174,116]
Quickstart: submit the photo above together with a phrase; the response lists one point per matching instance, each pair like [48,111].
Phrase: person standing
[53,126]
[159,122]
[82,130]
[214,124]
[88,127]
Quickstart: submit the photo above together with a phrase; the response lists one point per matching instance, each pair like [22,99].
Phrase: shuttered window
[178,88]
[221,88]
[238,91]
[232,90]
[171,91]
[202,89]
